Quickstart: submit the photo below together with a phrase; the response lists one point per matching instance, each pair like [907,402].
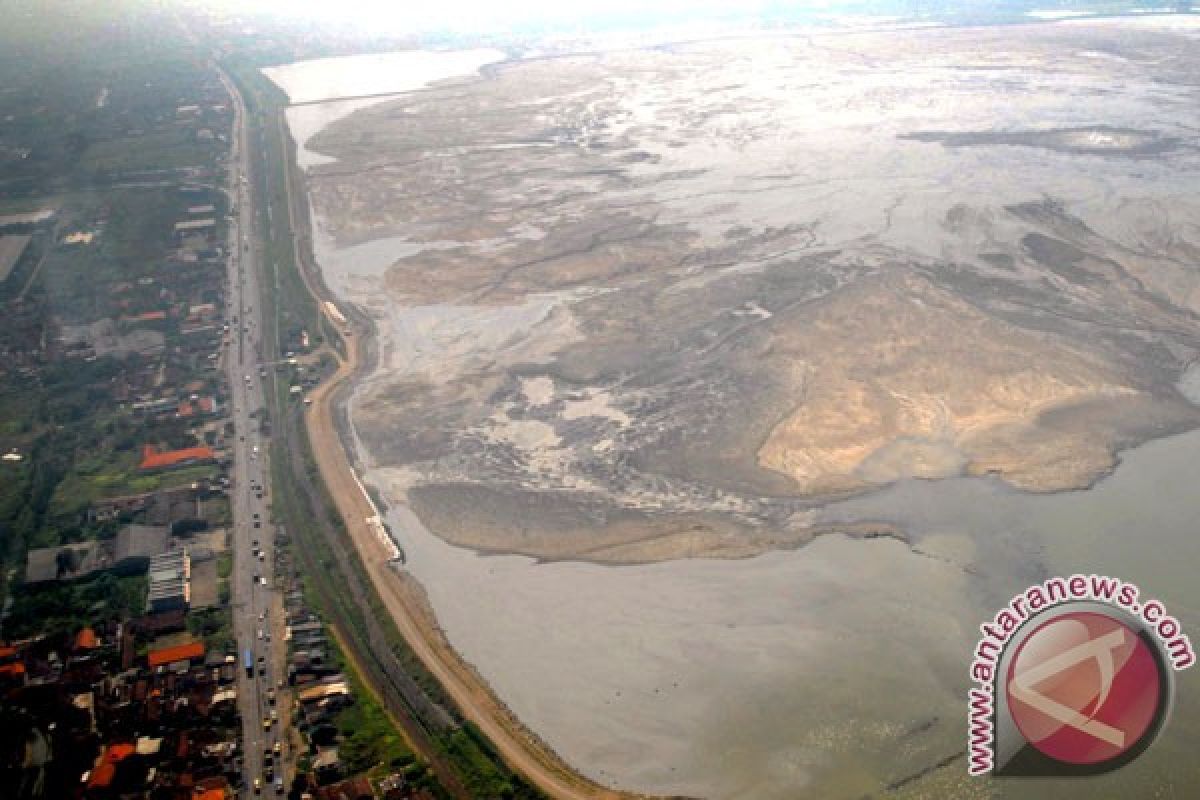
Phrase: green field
[159,150]
[97,477]
[370,742]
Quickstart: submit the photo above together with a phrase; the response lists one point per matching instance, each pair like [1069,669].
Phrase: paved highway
[257,605]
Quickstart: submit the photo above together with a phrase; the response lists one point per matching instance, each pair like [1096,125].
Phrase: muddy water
[1142,524]
[306,121]
[324,79]
[331,88]
[826,672]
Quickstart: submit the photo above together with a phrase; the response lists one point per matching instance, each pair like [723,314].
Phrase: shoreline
[1103,468]
[521,749]
[344,404]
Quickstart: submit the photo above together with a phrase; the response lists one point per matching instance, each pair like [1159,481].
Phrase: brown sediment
[914,382]
[732,302]
[735,340]
[521,750]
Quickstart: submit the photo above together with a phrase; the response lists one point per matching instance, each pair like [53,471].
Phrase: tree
[25,525]
[66,561]
[188,526]
[104,589]
[359,753]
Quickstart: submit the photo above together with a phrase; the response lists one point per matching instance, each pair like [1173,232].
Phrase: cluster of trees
[214,626]
[65,608]
[25,496]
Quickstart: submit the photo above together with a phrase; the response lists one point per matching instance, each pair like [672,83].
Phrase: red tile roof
[86,639]
[169,655]
[153,459]
[204,405]
[102,775]
[119,752]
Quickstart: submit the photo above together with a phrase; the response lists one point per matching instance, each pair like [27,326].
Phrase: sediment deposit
[724,299]
[655,303]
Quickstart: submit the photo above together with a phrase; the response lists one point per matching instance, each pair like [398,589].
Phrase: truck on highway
[248,662]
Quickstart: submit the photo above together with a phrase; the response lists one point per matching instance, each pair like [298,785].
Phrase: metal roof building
[170,581]
[136,545]
[65,563]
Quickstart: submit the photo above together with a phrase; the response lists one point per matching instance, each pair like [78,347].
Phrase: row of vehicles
[257,669]
[273,753]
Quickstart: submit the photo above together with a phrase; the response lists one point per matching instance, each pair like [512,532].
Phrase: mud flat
[725,299]
[767,280]
[830,671]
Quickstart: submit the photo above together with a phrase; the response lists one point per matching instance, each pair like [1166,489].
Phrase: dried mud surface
[651,304]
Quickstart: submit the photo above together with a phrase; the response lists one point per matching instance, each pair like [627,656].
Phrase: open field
[155,151]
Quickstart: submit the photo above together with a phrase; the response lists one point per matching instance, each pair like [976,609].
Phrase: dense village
[118,665]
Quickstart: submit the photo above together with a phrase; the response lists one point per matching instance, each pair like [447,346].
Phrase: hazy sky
[400,15]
